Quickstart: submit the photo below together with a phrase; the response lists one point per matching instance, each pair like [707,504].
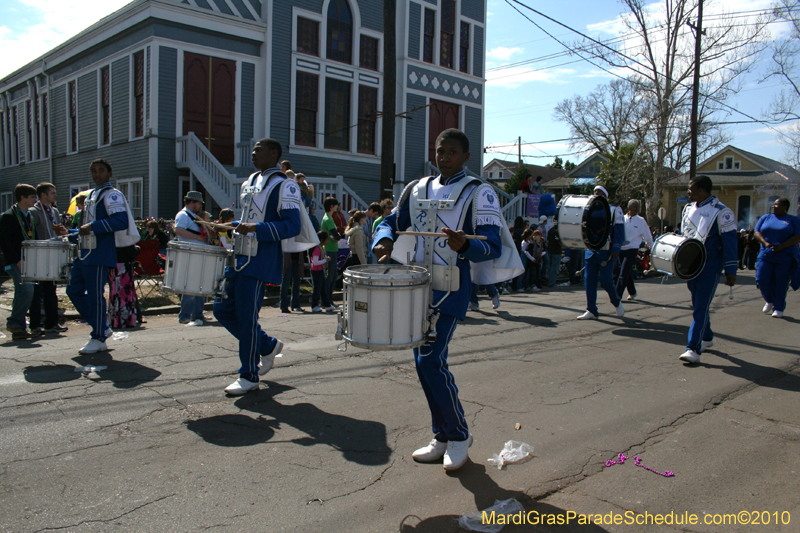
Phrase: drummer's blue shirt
[477,251]
[267,265]
[103,227]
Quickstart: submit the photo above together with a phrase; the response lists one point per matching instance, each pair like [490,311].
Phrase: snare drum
[385,307]
[678,256]
[195,269]
[47,260]
[583,222]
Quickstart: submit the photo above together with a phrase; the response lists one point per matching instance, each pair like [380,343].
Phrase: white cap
[543,218]
[601,188]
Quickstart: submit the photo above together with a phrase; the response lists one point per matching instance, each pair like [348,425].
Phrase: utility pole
[519,151]
[696,89]
[389,108]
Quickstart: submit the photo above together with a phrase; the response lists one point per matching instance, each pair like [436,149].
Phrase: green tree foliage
[513,183]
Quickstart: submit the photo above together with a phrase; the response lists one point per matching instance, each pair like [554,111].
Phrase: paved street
[152,444]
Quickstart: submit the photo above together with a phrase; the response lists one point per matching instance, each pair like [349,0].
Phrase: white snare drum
[195,269]
[583,221]
[385,307]
[47,260]
[678,256]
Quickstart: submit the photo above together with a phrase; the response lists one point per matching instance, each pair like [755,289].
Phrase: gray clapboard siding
[414,29]
[87,111]
[474,9]
[57,102]
[22,132]
[148,73]
[371,14]
[120,100]
[243,11]
[30,173]
[478,52]
[473,127]
[168,180]
[248,101]
[416,152]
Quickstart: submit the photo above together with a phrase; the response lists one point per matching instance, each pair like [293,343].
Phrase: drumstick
[434,234]
[215,226]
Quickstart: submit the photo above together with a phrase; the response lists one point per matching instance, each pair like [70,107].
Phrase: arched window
[340,31]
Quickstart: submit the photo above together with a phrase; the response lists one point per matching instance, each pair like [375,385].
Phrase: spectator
[48,225]
[226,216]
[387,204]
[188,230]
[319,260]
[532,255]
[753,248]
[536,188]
[77,219]
[356,240]
[520,225]
[17,226]
[525,186]
[331,206]
[153,232]
[312,213]
[292,266]
[553,262]
[286,165]
[636,231]
[123,303]
[306,190]
[373,212]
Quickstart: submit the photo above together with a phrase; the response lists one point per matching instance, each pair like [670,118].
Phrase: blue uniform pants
[594,269]
[703,288]
[447,415]
[239,314]
[85,289]
[772,278]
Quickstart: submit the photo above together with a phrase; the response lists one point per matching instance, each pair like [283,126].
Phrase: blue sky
[519,102]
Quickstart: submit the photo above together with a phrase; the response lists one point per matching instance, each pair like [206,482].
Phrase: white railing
[336,188]
[221,185]
[243,154]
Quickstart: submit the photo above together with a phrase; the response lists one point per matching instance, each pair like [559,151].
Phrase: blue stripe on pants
[438,383]
[85,289]
[239,314]
[703,288]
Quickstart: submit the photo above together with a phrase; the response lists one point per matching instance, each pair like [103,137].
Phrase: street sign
[662,213]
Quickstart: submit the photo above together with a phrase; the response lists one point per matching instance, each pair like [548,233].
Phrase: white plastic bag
[475,521]
[512,452]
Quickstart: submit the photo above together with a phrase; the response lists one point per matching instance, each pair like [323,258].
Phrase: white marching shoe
[588,315]
[241,386]
[705,345]
[430,453]
[457,453]
[620,311]
[767,308]
[690,356]
[777,314]
[268,360]
[93,346]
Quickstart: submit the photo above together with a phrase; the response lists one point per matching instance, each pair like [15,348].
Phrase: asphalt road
[152,444]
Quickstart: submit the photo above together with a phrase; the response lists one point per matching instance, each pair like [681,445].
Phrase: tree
[651,107]
[624,173]
[786,106]
[569,165]
[513,183]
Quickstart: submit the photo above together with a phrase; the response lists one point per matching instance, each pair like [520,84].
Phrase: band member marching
[272,212]
[705,218]
[453,204]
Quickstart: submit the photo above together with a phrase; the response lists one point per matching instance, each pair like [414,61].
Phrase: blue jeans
[191,307]
[491,290]
[23,296]
[625,279]
[85,289]
[553,264]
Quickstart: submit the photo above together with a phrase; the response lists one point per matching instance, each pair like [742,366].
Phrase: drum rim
[384,347]
[209,249]
[415,275]
[684,241]
[47,244]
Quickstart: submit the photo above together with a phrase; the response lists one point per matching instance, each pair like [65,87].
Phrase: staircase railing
[336,188]
[219,183]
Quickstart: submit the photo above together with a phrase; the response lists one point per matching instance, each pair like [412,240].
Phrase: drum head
[690,259]
[597,223]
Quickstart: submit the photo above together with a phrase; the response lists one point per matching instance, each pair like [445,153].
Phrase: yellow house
[746,182]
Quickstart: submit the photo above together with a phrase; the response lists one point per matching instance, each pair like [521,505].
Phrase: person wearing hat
[187,230]
[600,264]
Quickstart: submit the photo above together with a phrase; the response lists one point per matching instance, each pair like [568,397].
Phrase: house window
[728,163]
[337,114]
[369,53]
[6,201]
[307,36]
[500,175]
[29,130]
[428,35]
[105,106]
[46,128]
[132,190]
[743,212]
[306,104]
[138,92]
[73,116]
[15,151]
[736,165]
[447,37]
[491,174]
[367,117]
[720,165]
[340,31]
[463,57]
[75,188]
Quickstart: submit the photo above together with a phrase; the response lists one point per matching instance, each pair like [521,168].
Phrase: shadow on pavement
[122,374]
[764,376]
[473,477]
[530,320]
[360,441]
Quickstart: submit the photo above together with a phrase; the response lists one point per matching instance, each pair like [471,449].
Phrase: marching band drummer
[707,219]
[473,208]
[106,212]
[272,210]
[601,262]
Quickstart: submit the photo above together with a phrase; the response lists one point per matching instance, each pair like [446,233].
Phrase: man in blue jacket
[707,219]
[271,206]
[601,262]
[105,212]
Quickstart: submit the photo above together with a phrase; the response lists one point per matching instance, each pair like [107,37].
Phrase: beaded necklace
[25,224]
